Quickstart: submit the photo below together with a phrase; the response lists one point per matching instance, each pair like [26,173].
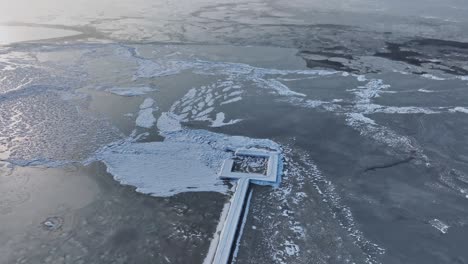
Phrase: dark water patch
[443,55]
[395,52]
[327,64]
[335,52]
[438,42]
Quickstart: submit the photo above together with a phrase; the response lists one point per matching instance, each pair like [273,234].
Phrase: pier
[265,172]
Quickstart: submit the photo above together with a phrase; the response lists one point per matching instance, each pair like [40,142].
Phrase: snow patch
[361,78]
[433,77]
[164,168]
[368,127]
[439,225]
[400,109]
[219,121]
[277,86]
[425,91]
[187,160]
[459,110]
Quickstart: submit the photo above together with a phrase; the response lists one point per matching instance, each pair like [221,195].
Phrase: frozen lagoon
[312,113]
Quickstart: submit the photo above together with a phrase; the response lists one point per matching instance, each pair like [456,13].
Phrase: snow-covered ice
[187,160]
[459,109]
[145,116]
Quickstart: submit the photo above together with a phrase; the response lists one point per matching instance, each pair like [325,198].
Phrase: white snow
[459,109]
[439,225]
[369,91]
[425,91]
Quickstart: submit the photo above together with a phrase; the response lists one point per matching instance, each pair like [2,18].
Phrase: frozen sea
[115,118]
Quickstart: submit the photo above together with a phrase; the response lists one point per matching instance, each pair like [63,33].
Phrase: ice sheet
[187,160]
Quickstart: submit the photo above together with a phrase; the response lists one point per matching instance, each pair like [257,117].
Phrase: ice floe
[147,103]
[145,117]
[199,104]
[168,123]
[219,121]
[130,91]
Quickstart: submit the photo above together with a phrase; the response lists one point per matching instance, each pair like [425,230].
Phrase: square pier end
[263,167]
